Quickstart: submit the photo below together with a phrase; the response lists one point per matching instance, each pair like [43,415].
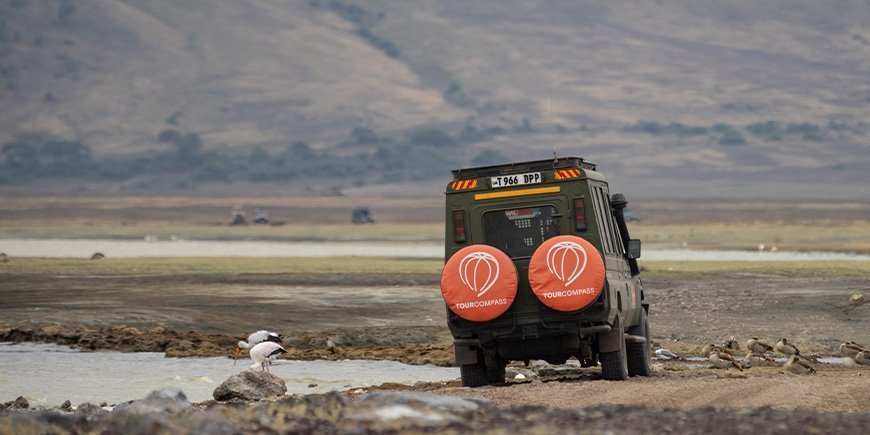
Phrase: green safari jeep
[539,265]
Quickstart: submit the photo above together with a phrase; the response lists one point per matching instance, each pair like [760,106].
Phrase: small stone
[66,405]
[857,299]
[157,330]
[312,385]
[21,403]
[103,404]
[250,385]
[165,400]
[89,411]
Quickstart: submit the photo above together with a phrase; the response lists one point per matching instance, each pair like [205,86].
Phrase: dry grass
[821,236]
[828,268]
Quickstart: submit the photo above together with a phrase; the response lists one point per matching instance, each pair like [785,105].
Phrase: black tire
[495,377]
[639,358]
[614,365]
[473,375]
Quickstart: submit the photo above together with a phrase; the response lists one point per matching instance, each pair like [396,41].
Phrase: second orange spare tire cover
[479,283]
[566,273]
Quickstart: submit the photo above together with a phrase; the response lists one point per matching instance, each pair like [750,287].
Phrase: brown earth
[833,389]
[687,311]
[406,323]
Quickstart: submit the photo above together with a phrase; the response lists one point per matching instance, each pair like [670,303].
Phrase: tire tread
[473,375]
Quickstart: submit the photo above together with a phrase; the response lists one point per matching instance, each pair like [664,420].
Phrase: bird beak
[236,355]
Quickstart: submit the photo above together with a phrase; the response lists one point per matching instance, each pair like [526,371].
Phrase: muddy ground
[404,312]
[404,320]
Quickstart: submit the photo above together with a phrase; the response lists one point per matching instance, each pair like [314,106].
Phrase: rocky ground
[168,412]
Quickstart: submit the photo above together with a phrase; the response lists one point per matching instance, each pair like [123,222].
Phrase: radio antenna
[550,112]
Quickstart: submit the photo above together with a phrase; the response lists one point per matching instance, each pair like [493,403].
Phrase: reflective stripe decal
[521,192]
[562,174]
[464,184]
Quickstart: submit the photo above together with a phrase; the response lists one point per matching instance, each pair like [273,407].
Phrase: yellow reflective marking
[521,192]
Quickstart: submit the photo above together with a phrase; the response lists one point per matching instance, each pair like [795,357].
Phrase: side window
[617,238]
[605,207]
[601,218]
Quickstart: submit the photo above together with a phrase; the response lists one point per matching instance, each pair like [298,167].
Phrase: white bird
[664,353]
[330,345]
[264,353]
[254,339]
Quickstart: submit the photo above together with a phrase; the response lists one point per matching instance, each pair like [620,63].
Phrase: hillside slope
[768,90]
[237,72]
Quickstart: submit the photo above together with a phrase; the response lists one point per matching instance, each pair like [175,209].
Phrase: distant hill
[762,91]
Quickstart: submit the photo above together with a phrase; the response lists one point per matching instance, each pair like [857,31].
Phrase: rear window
[519,231]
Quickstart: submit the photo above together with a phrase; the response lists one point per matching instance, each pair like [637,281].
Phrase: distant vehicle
[237,216]
[260,216]
[540,265]
[630,215]
[362,215]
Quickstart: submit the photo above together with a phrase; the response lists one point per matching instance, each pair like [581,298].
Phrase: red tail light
[459,227]
[579,214]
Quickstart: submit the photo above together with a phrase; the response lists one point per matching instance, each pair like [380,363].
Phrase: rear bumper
[529,342]
[543,322]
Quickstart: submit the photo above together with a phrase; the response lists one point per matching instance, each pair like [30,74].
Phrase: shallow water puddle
[48,374]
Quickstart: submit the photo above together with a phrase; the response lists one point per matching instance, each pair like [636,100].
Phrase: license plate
[516,179]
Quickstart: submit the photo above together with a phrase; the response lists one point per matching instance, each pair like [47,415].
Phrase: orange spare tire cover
[479,283]
[566,273]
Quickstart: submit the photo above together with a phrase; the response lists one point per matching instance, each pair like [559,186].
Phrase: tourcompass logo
[479,271]
[566,261]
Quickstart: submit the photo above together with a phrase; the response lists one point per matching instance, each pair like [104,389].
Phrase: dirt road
[832,389]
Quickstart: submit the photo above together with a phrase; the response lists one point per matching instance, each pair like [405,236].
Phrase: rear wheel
[474,375]
[639,363]
[614,365]
[497,375]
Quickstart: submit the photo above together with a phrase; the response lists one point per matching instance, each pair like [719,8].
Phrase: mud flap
[465,351]
[611,341]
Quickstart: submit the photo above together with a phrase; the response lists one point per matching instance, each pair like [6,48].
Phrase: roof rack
[535,165]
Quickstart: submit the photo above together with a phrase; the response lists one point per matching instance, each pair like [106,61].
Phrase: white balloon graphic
[469,266]
[556,262]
